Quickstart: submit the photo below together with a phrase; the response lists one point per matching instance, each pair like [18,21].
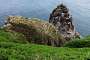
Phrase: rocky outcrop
[35,30]
[61,18]
[56,32]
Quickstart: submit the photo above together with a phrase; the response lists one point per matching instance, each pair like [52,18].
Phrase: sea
[79,9]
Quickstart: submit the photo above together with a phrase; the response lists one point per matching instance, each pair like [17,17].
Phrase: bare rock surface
[61,18]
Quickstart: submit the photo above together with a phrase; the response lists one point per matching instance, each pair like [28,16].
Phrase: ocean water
[79,9]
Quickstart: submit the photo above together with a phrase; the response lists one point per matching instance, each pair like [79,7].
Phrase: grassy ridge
[35,30]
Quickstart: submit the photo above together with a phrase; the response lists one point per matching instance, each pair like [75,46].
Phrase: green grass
[16,51]
[12,37]
[79,43]
[13,46]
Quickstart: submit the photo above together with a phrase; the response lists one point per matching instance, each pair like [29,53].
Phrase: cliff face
[35,30]
[61,18]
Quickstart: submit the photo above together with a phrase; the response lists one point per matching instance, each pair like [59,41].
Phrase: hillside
[15,44]
[35,30]
[16,48]
[13,47]
[16,51]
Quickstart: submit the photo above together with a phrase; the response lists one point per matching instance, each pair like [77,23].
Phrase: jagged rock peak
[61,18]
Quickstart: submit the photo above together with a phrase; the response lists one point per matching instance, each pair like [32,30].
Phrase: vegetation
[79,43]
[35,30]
[34,25]
[12,37]
[11,48]
[14,45]
[16,51]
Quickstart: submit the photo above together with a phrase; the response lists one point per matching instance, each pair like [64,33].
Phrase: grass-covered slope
[79,43]
[16,51]
[12,37]
[35,30]
[14,45]
[12,48]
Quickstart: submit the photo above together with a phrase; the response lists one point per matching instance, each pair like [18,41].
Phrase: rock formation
[35,30]
[61,18]
[56,32]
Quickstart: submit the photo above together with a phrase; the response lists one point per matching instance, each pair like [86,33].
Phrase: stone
[61,18]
